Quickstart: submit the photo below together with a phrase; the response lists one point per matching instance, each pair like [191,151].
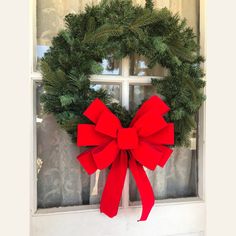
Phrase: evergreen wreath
[119,28]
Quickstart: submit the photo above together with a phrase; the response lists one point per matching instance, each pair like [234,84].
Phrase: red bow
[142,144]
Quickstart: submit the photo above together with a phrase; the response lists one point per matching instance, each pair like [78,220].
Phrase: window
[61,181]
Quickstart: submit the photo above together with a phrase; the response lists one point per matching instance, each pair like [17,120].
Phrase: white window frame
[124,80]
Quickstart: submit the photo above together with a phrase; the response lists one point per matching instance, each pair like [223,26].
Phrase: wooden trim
[202,112]
[162,221]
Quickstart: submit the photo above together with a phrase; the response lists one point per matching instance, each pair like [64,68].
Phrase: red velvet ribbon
[142,144]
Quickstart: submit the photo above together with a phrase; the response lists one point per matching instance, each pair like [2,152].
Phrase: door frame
[188,210]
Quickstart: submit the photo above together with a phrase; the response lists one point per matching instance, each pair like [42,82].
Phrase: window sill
[95,208]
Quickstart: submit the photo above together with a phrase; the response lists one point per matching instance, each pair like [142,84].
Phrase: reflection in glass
[50,20]
[179,177]
[138,93]
[41,50]
[112,89]
[111,66]
[139,66]
[61,181]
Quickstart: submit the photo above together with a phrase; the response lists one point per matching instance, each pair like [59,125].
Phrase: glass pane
[137,93]
[50,20]
[139,66]
[111,66]
[50,17]
[190,11]
[112,89]
[179,176]
[61,181]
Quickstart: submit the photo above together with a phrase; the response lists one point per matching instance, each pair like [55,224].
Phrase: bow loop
[153,103]
[147,155]
[104,155]
[87,161]
[88,136]
[95,109]
[108,124]
[164,136]
[149,123]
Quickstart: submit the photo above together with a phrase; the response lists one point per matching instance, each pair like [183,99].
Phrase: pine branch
[138,31]
[192,87]
[146,19]
[179,50]
[66,100]
[91,25]
[53,80]
[149,4]
[103,33]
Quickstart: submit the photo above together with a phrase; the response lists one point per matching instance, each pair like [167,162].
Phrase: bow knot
[127,138]
[143,143]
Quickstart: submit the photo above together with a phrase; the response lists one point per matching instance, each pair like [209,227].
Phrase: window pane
[50,20]
[61,181]
[50,16]
[112,89]
[190,11]
[139,66]
[111,66]
[179,176]
[138,93]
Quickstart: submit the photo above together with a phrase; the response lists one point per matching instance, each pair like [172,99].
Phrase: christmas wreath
[131,139]
[120,29]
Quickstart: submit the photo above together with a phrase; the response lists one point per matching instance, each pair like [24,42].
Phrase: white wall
[14,118]
[221,118]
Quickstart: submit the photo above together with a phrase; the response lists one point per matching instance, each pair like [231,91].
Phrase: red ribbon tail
[144,187]
[113,189]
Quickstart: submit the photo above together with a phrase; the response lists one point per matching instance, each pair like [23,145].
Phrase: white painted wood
[191,234]
[125,103]
[125,82]
[33,35]
[88,208]
[15,118]
[33,173]
[167,219]
[202,111]
[36,76]
[33,151]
